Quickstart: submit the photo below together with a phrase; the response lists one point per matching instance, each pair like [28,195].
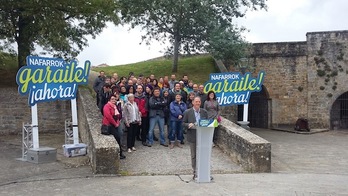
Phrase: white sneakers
[130,150]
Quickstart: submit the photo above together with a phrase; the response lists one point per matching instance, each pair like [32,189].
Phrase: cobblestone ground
[302,165]
[13,170]
[321,153]
[157,160]
[160,160]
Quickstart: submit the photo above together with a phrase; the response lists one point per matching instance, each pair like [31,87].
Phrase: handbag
[106,129]
[219,119]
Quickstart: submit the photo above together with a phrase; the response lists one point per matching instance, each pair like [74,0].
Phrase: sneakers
[179,145]
[130,149]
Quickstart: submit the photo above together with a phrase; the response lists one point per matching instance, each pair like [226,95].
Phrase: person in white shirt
[132,120]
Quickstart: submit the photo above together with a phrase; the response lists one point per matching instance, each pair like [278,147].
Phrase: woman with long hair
[155,83]
[119,106]
[111,120]
[191,96]
[123,93]
[212,107]
[160,82]
[167,111]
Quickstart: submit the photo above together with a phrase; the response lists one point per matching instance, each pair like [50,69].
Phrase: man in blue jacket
[177,109]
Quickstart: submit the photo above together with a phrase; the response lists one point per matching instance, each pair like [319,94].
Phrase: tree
[190,25]
[59,27]
[228,45]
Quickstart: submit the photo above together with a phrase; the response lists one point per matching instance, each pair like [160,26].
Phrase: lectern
[204,140]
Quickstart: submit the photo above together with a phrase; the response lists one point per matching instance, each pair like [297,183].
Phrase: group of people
[138,104]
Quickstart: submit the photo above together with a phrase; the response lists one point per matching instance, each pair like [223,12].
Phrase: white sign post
[245,121]
[34,124]
[74,121]
[245,112]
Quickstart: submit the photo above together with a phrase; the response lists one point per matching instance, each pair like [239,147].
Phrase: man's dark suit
[189,117]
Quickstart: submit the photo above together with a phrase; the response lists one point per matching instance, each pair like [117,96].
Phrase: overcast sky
[285,20]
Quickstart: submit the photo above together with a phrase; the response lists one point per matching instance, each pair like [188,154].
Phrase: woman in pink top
[111,119]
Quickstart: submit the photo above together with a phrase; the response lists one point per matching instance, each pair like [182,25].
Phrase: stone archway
[339,112]
[258,114]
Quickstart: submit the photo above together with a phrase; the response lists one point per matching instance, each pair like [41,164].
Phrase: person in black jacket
[177,90]
[98,84]
[104,95]
[156,115]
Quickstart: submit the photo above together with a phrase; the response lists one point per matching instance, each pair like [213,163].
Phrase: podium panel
[204,140]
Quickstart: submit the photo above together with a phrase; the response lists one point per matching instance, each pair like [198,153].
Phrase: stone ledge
[103,150]
[290,129]
[252,152]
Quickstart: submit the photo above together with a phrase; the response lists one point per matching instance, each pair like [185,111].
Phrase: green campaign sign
[48,79]
[234,87]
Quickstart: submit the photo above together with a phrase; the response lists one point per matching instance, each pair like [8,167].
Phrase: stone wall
[327,73]
[15,111]
[303,79]
[247,149]
[103,150]
[286,79]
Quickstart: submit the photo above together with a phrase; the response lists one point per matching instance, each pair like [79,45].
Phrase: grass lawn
[197,68]
[8,70]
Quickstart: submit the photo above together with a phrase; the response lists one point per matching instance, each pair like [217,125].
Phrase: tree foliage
[59,27]
[191,25]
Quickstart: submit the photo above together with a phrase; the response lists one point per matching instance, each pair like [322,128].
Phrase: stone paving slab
[324,152]
[224,184]
[13,170]
[160,160]
[302,165]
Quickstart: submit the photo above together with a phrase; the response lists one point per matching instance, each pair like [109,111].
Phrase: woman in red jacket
[111,119]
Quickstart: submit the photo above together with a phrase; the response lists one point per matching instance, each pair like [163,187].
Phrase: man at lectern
[190,121]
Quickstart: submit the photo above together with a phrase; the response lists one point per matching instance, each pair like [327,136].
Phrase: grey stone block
[252,152]
[103,150]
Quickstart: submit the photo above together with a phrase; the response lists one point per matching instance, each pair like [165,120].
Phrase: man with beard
[141,101]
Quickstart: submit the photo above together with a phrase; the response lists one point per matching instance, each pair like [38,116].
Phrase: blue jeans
[160,121]
[168,123]
[176,129]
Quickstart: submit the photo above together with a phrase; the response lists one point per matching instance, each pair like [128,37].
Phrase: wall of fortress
[15,111]
[303,79]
